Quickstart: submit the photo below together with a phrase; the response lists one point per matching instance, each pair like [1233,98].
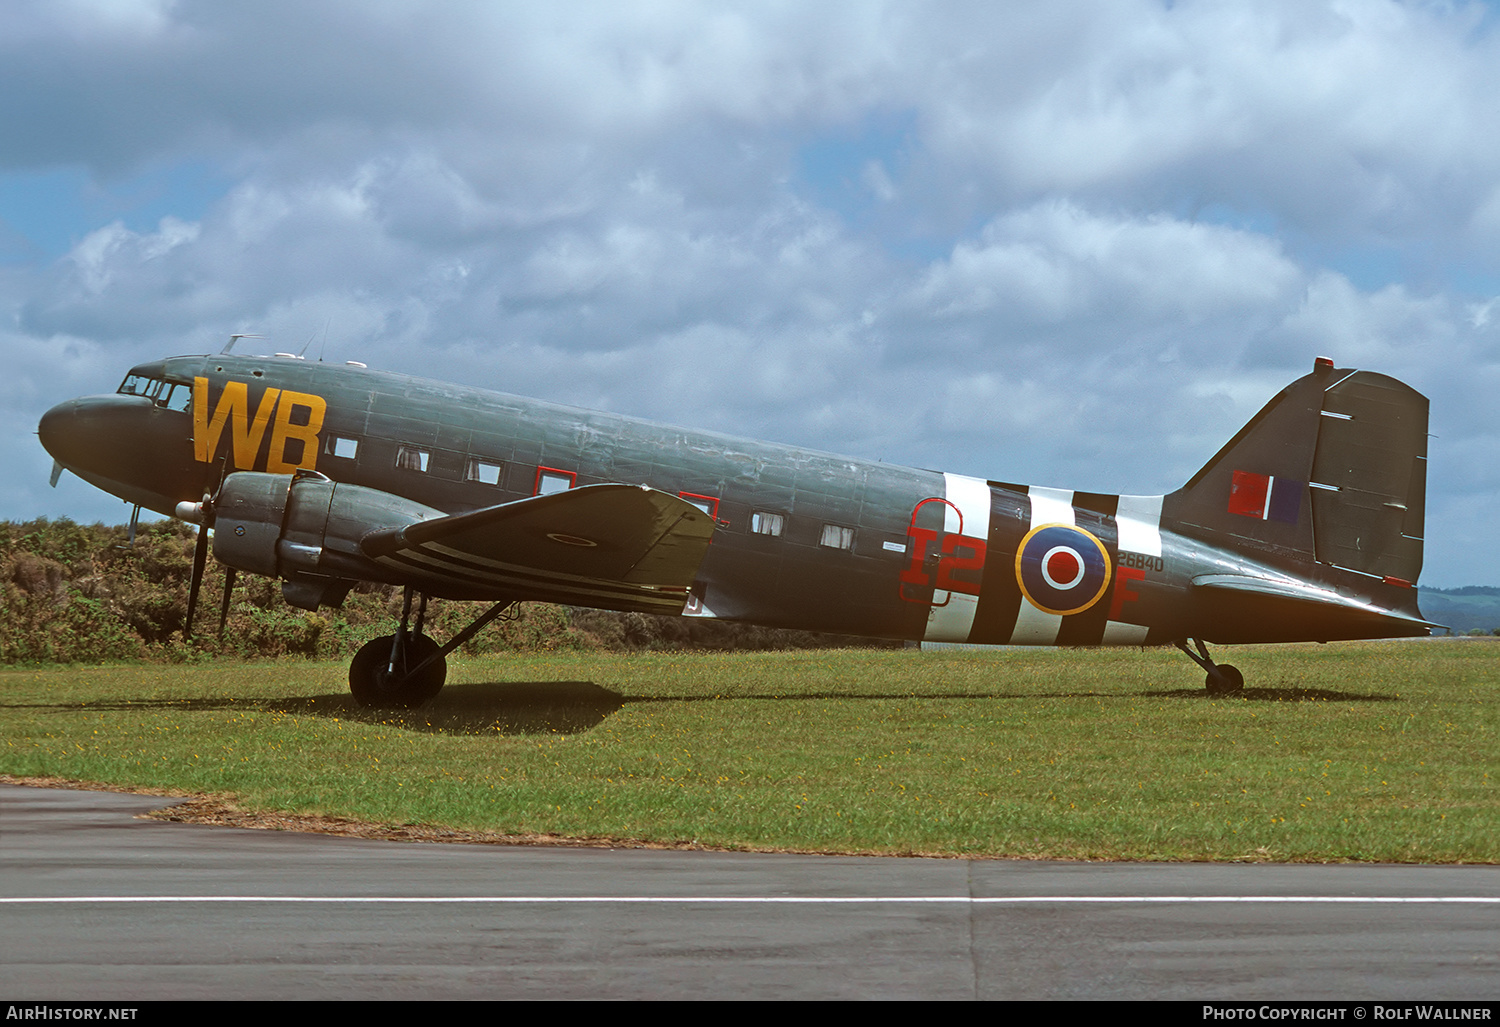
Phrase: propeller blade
[228,589]
[200,559]
[205,520]
[57,469]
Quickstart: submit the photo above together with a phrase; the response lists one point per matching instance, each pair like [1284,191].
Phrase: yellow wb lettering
[246,432]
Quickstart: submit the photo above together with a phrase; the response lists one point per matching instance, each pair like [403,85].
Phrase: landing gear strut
[405,670]
[1222,678]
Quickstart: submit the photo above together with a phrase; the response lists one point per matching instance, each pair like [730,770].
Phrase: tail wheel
[373,684]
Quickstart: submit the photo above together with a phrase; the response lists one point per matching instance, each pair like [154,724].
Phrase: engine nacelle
[305,529]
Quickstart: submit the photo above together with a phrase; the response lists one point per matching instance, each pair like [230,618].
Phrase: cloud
[1076,243]
[1358,118]
[1055,262]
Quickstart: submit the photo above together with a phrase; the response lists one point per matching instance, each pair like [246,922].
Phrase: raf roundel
[1062,569]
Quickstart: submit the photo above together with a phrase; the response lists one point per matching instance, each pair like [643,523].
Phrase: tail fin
[1333,470]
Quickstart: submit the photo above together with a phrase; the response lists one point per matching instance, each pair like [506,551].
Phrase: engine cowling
[305,529]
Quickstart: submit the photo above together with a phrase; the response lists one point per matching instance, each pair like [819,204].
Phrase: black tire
[374,687]
[1227,681]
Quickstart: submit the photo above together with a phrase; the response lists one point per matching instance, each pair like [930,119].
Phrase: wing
[623,546]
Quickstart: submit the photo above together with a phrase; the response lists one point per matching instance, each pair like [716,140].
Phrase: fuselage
[803,539]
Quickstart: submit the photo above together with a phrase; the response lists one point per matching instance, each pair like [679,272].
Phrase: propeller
[201,514]
[229,573]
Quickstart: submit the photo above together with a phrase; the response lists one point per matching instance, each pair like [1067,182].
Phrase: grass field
[1355,751]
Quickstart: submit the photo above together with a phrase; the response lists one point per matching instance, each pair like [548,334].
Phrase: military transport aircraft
[1306,526]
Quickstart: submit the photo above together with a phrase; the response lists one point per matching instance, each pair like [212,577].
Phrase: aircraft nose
[94,433]
[57,429]
[128,446]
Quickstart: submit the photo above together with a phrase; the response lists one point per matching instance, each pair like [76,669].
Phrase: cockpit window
[172,395]
[176,397]
[139,385]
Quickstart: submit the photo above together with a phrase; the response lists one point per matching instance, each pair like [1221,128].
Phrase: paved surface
[117,908]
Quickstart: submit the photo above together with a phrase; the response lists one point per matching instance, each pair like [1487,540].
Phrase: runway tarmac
[96,904]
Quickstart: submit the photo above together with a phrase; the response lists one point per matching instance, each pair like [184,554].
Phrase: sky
[1074,244]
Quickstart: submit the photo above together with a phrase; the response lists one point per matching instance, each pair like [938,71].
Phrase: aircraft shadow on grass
[1275,695]
[494,707]
[528,707]
[575,707]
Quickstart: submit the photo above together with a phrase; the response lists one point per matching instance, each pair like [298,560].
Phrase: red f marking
[1124,577]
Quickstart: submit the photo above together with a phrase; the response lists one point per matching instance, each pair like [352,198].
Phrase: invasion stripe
[1138,523]
[480,565]
[1138,520]
[995,617]
[951,618]
[429,562]
[447,559]
[532,586]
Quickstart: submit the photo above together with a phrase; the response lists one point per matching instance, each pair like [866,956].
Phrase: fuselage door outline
[941,577]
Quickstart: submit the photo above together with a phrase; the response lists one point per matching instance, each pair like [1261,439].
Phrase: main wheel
[1227,681]
[373,685]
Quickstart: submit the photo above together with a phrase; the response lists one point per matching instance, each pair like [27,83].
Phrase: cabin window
[485,472]
[708,504]
[410,458]
[763,523]
[550,480]
[344,449]
[837,537]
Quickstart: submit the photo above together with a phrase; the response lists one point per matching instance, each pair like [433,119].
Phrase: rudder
[1369,477]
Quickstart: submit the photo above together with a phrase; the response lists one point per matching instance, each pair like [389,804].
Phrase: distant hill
[1462,609]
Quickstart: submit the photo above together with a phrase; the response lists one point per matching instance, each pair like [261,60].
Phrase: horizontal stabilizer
[1236,608]
[625,542]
